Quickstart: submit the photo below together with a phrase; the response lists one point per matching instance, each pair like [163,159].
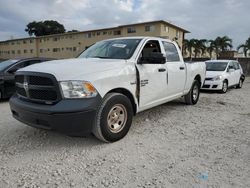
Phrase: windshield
[112,49]
[216,66]
[6,64]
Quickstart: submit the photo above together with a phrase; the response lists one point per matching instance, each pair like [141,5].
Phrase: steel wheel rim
[117,118]
[195,92]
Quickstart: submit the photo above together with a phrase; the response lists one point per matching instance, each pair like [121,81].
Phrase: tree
[72,31]
[222,44]
[199,47]
[245,47]
[211,48]
[188,47]
[47,27]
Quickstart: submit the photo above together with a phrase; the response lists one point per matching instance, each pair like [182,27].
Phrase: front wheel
[193,95]
[224,87]
[114,118]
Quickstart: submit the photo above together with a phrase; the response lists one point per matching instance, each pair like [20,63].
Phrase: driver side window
[150,48]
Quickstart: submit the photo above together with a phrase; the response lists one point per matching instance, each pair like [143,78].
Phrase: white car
[222,74]
[105,86]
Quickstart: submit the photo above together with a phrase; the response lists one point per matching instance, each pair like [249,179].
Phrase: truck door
[176,70]
[152,77]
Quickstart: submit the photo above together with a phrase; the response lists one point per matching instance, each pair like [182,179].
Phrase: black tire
[240,84]
[224,87]
[108,116]
[193,95]
[1,95]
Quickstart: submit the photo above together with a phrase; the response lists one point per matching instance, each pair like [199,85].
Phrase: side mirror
[153,58]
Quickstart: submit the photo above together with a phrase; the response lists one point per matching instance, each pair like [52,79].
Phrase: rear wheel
[1,96]
[114,118]
[193,95]
[240,84]
[224,87]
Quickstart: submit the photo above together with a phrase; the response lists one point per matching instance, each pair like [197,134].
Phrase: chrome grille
[37,87]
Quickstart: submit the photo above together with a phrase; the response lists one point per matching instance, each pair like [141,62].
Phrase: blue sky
[204,18]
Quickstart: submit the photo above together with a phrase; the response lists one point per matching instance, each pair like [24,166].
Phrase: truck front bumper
[74,117]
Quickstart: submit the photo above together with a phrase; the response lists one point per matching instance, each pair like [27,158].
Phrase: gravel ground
[173,145]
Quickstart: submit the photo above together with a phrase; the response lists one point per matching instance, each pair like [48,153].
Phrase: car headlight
[217,78]
[77,89]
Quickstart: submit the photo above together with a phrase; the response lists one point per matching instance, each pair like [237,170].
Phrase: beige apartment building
[68,45]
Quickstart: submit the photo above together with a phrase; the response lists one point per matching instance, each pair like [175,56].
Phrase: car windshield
[216,66]
[112,49]
[6,64]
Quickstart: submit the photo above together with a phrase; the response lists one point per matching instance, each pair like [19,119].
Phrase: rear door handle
[182,68]
[161,70]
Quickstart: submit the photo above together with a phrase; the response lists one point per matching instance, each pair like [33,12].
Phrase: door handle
[161,70]
[182,68]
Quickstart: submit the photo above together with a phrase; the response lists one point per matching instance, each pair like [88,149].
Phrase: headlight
[77,89]
[217,78]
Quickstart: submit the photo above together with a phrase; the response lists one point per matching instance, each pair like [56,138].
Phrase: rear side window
[171,52]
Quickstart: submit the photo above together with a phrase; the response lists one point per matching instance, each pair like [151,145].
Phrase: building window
[31,51]
[167,29]
[41,50]
[48,49]
[110,32]
[12,43]
[56,49]
[25,51]
[98,33]
[13,51]
[149,28]
[24,41]
[131,30]
[55,39]
[104,32]
[118,32]
[74,49]
[31,41]
[178,34]
[88,35]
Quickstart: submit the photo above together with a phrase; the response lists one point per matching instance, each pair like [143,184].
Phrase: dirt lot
[173,145]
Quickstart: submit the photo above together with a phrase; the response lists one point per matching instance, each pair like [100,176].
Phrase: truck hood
[71,69]
[212,74]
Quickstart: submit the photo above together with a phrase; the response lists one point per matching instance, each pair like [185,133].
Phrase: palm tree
[222,44]
[188,47]
[211,48]
[245,47]
[199,47]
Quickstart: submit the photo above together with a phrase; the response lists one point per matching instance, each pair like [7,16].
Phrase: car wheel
[224,87]
[114,118]
[193,95]
[1,96]
[240,84]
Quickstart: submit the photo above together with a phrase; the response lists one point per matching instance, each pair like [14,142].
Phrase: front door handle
[161,70]
[182,68]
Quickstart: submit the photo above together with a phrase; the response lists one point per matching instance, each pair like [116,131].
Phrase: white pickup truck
[101,90]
